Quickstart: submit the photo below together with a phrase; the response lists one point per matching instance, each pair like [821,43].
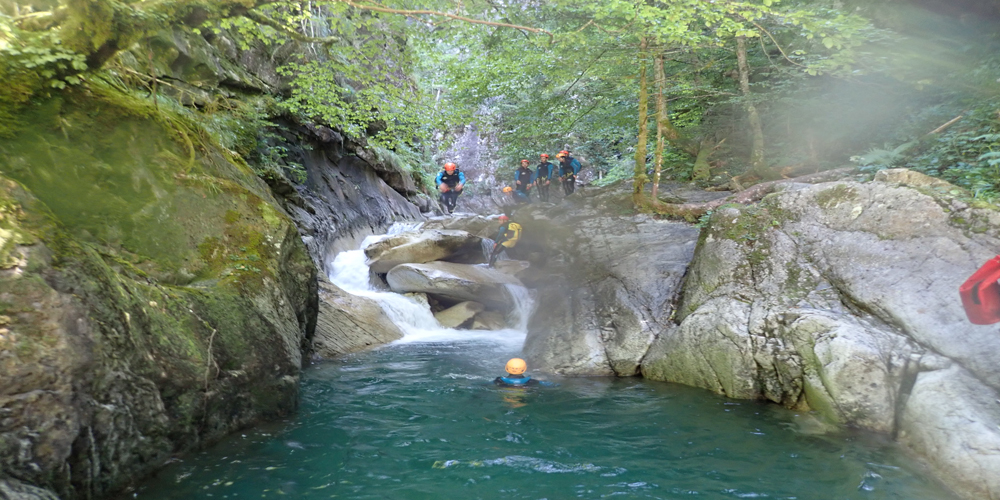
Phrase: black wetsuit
[450,199]
[568,176]
[523,176]
[543,175]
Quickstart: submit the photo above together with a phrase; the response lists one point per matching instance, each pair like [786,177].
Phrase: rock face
[349,323]
[148,304]
[343,199]
[458,282]
[843,298]
[424,246]
[606,282]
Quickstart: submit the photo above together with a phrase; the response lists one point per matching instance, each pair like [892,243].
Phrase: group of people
[450,181]
[541,178]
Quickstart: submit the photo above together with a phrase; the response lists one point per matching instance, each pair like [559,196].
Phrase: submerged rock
[843,298]
[458,314]
[489,320]
[349,323]
[458,282]
[418,247]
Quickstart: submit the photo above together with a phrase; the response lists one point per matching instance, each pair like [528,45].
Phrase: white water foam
[350,272]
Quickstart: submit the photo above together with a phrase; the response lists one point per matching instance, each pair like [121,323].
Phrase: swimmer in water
[515,375]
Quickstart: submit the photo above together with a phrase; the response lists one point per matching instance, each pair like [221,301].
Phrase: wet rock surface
[606,279]
[349,323]
[457,282]
[418,247]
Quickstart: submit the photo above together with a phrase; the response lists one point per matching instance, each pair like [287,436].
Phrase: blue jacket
[443,177]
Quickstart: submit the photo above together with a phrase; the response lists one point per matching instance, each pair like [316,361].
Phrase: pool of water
[422,420]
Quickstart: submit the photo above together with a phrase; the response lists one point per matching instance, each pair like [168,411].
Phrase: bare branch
[408,12]
[288,31]
[776,44]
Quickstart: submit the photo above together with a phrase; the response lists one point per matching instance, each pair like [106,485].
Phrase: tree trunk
[691,211]
[661,121]
[639,183]
[757,164]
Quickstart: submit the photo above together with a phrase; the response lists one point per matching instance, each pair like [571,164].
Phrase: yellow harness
[512,240]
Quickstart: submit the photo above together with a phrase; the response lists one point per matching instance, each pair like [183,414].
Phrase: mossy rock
[150,276]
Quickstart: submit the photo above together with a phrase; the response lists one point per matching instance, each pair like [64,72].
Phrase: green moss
[832,197]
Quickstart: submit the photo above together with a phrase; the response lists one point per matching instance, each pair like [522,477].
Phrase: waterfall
[413,317]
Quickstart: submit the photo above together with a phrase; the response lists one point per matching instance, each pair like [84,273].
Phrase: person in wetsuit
[450,182]
[523,179]
[507,237]
[569,167]
[543,177]
[515,375]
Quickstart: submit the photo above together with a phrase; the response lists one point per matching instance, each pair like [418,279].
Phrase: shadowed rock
[458,314]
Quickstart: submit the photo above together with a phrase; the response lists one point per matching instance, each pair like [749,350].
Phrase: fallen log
[691,211]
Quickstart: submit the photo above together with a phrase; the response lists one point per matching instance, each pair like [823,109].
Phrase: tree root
[691,211]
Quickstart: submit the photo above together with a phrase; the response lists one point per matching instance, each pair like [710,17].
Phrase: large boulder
[457,282]
[349,323]
[607,281]
[418,247]
[479,225]
[843,298]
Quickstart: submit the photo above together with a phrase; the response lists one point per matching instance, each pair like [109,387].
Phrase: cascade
[414,318]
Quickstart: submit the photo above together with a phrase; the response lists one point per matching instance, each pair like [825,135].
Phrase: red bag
[981,294]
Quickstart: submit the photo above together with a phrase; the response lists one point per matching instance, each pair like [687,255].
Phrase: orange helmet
[545,155]
[450,166]
[516,366]
[504,218]
[524,160]
[507,189]
[563,153]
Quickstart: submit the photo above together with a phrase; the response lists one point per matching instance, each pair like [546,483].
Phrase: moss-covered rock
[153,294]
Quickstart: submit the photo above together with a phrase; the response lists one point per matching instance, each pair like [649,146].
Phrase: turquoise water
[423,421]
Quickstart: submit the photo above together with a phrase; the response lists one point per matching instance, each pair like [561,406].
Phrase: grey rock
[12,489]
[458,314]
[458,282]
[349,323]
[606,282]
[842,298]
[418,247]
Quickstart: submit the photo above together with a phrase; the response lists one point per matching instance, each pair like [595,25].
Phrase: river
[421,419]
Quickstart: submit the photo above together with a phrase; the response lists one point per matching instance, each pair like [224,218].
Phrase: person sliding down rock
[515,375]
[507,237]
[450,182]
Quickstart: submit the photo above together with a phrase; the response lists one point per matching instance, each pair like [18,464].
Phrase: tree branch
[408,12]
[692,211]
[287,31]
[776,44]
